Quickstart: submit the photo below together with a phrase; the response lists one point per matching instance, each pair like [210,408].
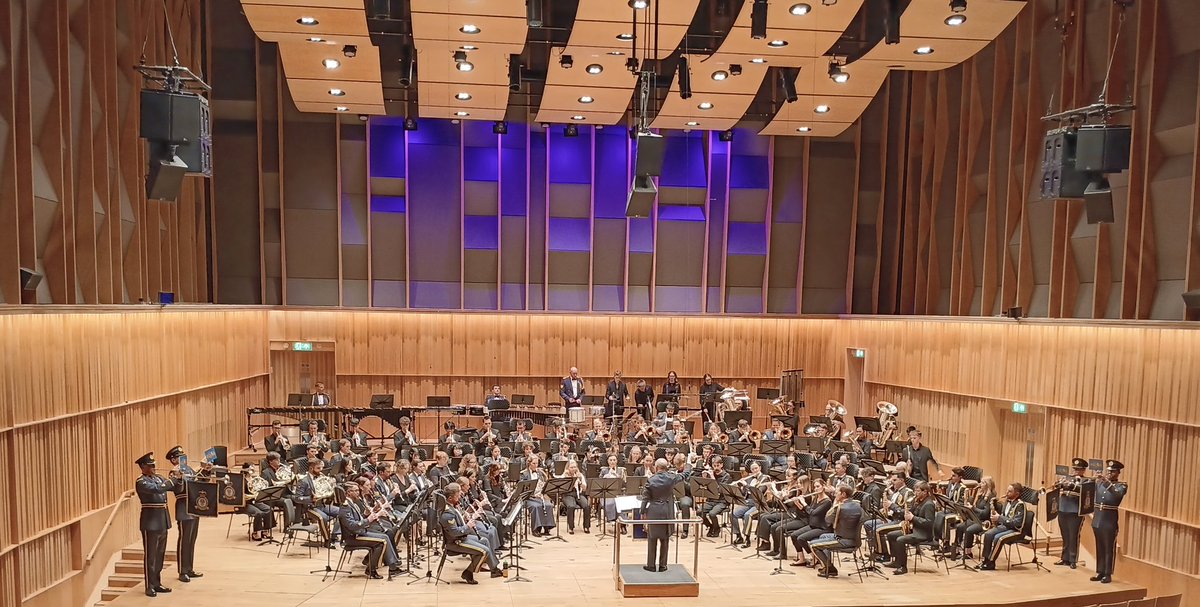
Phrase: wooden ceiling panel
[437,111]
[604,100]
[815,129]
[672,12]
[499,8]
[437,65]
[603,35]
[865,79]
[432,26]
[830,18]
[985,19]
[614,74]
[723,106]
[351,108]
[705,123]
[946,52]
[304,60]
[801,43]
[590,118]
[317,91]
[841,109]
[346,4]
[330,21]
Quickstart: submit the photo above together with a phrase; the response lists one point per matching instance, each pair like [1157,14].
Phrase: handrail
[107,524]
[662,521]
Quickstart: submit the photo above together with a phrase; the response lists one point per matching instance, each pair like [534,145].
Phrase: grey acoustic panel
[745,271]
[678,299]
[748,205]
[311,240]
[480,296]
[569,268]
[481,197]
[479,265]
[567,297]
[571,200]
[389,294]
[608,252]
[312,291]
[387,246]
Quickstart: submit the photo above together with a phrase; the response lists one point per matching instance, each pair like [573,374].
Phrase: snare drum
[575,415]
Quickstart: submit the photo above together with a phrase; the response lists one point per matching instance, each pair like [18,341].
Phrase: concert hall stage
[579,572]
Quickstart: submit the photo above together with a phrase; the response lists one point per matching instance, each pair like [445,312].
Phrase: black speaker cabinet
[1098,208]
[181,119]
[650,150]
[165,178]
[641,197]
[1102,148]
[1060,178]
[29,279]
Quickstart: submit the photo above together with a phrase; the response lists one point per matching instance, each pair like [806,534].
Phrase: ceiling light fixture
[466,66]
[787,78]
[566,61]
[595,68]
[821,109]
[469,47]
[758,61]
[316,39]
[800,9]
[705,105]
[624,37]
[308,21]
[638,5]
[837,74]
[616,53]
[337,92]
[460,113]
[923,50]
[578,117]
[571,130]
[331,64]
[735,69]
[828,2]
[514,73]
[693,123]
[777,43]
[726,135]
[470,29]
[463,96]
[342,108]
[500,127]
[956,20]
[586,99]
[803,129]
[535,13]
[720,75]
[350,51]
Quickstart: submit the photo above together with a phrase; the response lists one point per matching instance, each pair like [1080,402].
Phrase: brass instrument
[786,434]
[285,475]
[987,522]
[284,442]
[606,436]
[779,406]
[755,435]
[323,488]
[723,438]
[887,422]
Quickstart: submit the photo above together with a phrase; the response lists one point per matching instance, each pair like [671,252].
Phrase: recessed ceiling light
[758,60]
[704,105]
[337,92]
[777,43]
[578,117]
[804,129]
[463,96]
[693,123]
[469,29]
[821,109]
[469,47]
[465,66]
[720,75]
[616,53]
[331,64]
[595,68]
[316,39]
[342,108]
[800,9]
[956,20]
[625,37]
[586,99]
[462,113]
[923,50]
[638,4]
[309,21]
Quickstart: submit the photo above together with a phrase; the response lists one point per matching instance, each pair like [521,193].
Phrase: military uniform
[356,533]
[1008,529]
[1104,523]
[922,531]
[846,521]
[154,523]
[189,524]
[1070,521]
[459,540]
[658,502]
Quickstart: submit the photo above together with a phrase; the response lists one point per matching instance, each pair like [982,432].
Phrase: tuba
[887,422]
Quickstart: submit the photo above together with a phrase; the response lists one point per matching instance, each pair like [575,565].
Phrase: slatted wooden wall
[86,393]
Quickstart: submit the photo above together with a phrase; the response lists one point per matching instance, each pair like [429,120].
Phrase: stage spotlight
[631,64]
[685,79]
[837,74]
[535,13]
[410,124]
[891,22]
[735,69]
[567,62]
[571,130]
[958,6]
[350,51]
[758,20]
[460,56]
[500,127]
[787,78]
[514,73]
[725,135]
[407,66]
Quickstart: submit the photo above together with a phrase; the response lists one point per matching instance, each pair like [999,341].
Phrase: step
[124,581]
[110,594]
[100,604]
[130,567]
[135,554]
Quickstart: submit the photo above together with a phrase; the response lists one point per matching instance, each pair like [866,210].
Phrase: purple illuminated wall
[463,218]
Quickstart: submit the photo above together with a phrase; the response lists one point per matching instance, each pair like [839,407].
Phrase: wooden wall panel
[298,371]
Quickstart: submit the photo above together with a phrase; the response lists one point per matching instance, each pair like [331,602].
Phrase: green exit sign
[1019,408]
[860,354]
[302,346]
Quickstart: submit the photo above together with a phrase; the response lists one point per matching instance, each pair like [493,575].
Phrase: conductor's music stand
[604,489]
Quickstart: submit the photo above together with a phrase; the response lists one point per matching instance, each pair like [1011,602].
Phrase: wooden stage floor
[579,572]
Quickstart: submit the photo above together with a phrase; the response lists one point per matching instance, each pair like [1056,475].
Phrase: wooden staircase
[128,574]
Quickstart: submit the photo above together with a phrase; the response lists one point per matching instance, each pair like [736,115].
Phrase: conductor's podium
[634,581]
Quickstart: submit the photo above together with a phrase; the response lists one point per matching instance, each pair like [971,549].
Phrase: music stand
[602,489]
[894,448]
[1031,496]
[739,449]
[556,488]
[516,508]
[733,496]
[704,489]
[760,502]
[300,400]
[767,393]
[966,513]
[661,400]
[382,401]
[525,400]
[732,418]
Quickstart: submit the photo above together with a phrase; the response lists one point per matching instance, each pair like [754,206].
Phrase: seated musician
[344,464]
[420,475]
[871,488]
[487,433]
[528,452]
[1008,526]
[355,524]
[371,503]
[276,441]
[313,436]
[894,499]
[967,530]
[668,417]
[919,517]
[681,468]
[521,432]
[840,476]
[646,468]
[541,511]
[262,513]
[321,397]
[635,454]
[270,471]
[557,430]
[946,519]
[441,468]
[713,508]
[642,432]
[576,498]
[743,514]
[460,538]
[311,454]
[643,397]
[370,463]
[496,456]
[457,450]
[400,474]
[612,470]
[814,506]
[844,520]
[449,435]
[468,464]
[487,525]
[356,436]
[674,433]
[776,433]
[564,452]
[305,496]
[387,486]
[740,434]
[494,485]
[404,438]
[597,432]
[787,517]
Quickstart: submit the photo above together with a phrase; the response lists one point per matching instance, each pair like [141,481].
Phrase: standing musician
[276,442]
[615,395]
[572,390]
[494,399]
[916,528]
[985,499]
[672,385]
[189,524]
[403,440]
[321,397]
[919,456]
[713,508]
[1007,527]
[576,498]
[895,499]
[154,522]
[1070,521]
[709,386]
[357,437]
[643,397]
[460,538]
[946,518]
[540,509]
[313,436]
[1109,493]
[658,503]
[844,519]
[355,523]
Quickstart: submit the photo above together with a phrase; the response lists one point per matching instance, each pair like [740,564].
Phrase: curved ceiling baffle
[922,26]
[443,27]
[595,40]
[311,33]
[807,36]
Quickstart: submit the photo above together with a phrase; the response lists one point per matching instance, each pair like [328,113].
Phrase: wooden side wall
[83,394]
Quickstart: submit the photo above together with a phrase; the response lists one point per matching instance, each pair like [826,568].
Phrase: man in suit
[304,496]
[356,534]
[658,502]
[321,397]
[459,538]
[1109,493]
[845,519]
[189,524]
[155,521]
[571,390]
[1008,526]
[276,442]
[920,515]
[1069,519]
[312,436]
[947,519]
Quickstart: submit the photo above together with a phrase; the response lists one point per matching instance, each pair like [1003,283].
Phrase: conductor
[658,502]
